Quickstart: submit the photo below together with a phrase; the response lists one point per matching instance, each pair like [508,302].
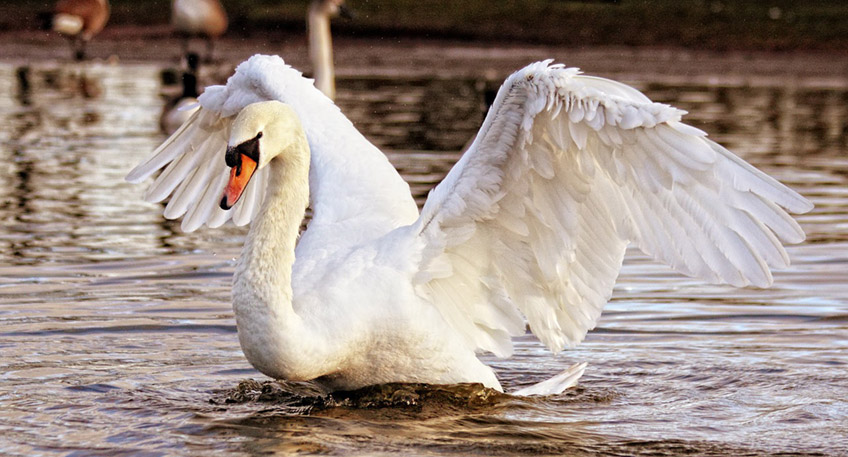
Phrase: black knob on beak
[232,157]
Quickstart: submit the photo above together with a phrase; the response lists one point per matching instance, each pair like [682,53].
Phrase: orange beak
[239,177]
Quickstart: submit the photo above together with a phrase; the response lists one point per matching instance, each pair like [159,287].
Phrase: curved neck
[321,49]
[268,255]
[268,327]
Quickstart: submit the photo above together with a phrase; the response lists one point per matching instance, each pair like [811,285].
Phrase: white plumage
[530,225]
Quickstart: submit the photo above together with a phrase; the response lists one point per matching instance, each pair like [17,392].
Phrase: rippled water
[117,337]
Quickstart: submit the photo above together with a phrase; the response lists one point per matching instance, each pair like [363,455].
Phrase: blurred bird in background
[80,21]
[321,43]
[180,108]
[199,18]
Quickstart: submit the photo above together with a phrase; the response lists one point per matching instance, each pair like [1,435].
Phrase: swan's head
[260,132]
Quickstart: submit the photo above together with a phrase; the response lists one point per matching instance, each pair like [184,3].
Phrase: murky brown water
[117,337]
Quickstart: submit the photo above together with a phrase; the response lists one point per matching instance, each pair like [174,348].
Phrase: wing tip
[136,175]
[557,384]
[190,224]
[803,205]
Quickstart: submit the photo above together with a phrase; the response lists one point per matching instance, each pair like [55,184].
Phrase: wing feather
[193,170]
[165,153]
[565,172]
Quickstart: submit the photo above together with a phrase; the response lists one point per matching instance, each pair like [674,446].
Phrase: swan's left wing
[534,220]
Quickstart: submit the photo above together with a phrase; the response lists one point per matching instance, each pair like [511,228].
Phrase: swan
[80,21]
[530,225]
[179,109]
[320,42]
[205,18]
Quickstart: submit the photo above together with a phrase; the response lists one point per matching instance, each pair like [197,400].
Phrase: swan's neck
[269,329]
[321,49]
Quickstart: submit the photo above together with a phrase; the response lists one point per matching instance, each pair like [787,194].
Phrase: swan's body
[531,223]
[321,43]
[80,21]
[199,18]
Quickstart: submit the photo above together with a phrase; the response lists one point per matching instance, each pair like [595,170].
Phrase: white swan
[532,222]
[321,43]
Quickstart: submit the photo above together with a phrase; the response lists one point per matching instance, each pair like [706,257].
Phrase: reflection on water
[116,333]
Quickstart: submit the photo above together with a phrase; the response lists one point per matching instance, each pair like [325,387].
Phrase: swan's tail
[557,384]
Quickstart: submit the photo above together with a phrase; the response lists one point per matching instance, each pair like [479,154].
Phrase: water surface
[117,335]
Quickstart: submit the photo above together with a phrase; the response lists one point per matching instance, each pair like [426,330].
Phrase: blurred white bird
[199,18]
[321,42]
[530,225]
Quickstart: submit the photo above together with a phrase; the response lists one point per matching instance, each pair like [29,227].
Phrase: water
[117,336]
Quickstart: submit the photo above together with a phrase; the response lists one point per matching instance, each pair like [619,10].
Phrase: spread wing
[565,172]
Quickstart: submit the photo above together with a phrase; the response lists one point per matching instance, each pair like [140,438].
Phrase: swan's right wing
[534,219]
[191,160]
[194,170]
